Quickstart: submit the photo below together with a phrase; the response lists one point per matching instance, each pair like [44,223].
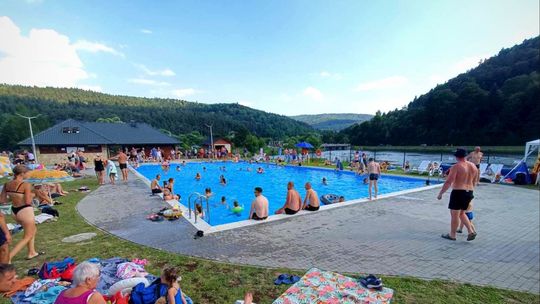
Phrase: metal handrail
[189,201]
[199,197]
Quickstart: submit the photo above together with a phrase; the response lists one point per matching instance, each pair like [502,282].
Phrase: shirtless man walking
[122,161]
[475,157]
[259,206]
[374,170]
[462,178]
[293,203]
[311,202]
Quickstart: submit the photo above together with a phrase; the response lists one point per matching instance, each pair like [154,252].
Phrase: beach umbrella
[48,176]
[304,145]
[5,166]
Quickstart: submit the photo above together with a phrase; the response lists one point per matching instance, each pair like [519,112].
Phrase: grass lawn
[212,282]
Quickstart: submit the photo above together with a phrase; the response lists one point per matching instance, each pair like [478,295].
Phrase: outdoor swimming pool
[241,182]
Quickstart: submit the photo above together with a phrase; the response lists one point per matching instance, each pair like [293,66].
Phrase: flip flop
[38,254]
[294,279]
[471,236]
[448,237]
[281,279]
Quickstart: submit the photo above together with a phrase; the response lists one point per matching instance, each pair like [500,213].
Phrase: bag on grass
[147,295]
[54,270]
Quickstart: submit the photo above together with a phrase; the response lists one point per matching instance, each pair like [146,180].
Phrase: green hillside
[332,122]
[175,116]
[496,103]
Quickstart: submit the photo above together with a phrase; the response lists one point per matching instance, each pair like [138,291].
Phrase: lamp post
[211,140]
[31,133]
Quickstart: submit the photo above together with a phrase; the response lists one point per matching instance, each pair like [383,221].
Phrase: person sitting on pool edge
[259,206]
[293,203]
[311,198]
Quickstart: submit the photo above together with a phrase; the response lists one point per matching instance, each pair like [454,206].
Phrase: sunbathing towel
[43,218]
[318,286]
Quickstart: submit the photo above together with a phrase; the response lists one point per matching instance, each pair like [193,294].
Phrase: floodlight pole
[31,133]
[211,140]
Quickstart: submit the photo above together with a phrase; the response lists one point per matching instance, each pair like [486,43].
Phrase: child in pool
[198,176]
[470,214]
[223,200]
[199,210]
[170,277]
[237,209]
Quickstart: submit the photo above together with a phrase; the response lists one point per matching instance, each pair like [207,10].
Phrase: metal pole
[404,154]
[31,133]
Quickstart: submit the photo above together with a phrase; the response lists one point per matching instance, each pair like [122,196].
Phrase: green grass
[213,282]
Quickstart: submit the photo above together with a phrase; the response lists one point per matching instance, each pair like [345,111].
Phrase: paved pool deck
[391,236]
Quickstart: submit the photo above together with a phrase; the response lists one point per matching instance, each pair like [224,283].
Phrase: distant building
[53,144]
[218,144]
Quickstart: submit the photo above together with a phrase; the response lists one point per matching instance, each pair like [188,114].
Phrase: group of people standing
[104,166]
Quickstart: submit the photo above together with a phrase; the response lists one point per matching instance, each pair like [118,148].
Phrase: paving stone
[392,236]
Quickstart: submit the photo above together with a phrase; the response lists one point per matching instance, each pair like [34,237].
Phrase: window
[66,130]
[75,130]
[52,149]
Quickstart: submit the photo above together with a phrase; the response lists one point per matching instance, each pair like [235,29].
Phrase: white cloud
[326,74]
[146,31]
[43,58]
[181,93]
[90,87]
[148,82]
[313,93]
[386,83]
[164,72]
[94,47]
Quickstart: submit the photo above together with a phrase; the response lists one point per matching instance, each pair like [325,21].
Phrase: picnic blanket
[318,286]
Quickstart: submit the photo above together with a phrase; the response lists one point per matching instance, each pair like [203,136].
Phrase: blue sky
[287,57]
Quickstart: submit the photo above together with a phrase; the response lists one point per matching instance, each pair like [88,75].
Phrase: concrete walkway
[393,236]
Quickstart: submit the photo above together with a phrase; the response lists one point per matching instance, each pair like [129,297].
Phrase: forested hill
[333,122]
[176,116]
[496,103]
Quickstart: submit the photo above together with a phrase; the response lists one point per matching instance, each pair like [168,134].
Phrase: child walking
[470,214]
[170,277]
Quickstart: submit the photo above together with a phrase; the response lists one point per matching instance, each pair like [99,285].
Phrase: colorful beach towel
[318,286]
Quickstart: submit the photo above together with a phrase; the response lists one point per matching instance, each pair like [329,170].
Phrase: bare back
[463,176]
[19,192]
[374,167]
[294,202]
[260,206]
[122,158]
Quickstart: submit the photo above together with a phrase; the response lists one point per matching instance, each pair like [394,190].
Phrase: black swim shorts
[156,191]
[311,208]
[290,211]
[373,176]
[123,166]
[257,218]
[460,199]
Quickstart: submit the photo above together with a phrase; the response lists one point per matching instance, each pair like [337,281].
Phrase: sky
[283,56]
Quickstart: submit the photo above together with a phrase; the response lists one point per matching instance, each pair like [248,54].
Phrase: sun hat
[460,152]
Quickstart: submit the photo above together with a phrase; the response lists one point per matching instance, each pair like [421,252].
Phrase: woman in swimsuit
[20,194]
[99,167]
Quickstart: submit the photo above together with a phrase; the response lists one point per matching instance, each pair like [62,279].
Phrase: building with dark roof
[92,138]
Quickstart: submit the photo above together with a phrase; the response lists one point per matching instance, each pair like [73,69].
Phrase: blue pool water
[240,184]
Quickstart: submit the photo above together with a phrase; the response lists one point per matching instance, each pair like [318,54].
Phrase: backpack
[147,295]
[53,270]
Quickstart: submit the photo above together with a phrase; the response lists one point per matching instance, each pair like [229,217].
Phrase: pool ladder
[199,197]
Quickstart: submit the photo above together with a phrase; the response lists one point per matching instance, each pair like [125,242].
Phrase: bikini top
[16,190]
